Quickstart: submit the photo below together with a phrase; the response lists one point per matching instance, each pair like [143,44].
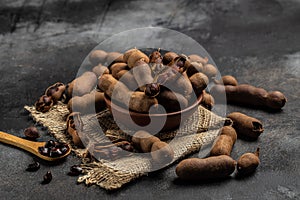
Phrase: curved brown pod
[248,95]
[82,84]
[199,82]
[88,103]
[224,142]
[248,163]
[246,127]
[196,169]
[161,152]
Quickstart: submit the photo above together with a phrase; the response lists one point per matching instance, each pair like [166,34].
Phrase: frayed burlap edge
[114,174]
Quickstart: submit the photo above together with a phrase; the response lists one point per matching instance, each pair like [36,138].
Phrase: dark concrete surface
[45,41]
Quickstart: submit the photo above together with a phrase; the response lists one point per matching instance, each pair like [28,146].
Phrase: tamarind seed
[75,170]
[32,133]
[50,144]
[33,167]
[47,177]
[55,152]
[44,151]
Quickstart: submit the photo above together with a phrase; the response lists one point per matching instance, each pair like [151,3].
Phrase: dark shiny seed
[44,151]
[152,89]
[33,167]
[55,152]
[50,144]
[47,177]
[75,170]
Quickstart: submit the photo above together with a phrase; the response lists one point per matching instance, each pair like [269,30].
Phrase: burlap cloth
[113,174]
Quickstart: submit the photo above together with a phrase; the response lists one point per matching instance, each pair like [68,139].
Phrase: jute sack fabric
[199,129]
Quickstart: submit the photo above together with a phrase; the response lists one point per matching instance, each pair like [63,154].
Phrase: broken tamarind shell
[44,103]
[246,127]
[56,91]
[74,127]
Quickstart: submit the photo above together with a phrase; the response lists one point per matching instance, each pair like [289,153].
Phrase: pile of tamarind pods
[140,82]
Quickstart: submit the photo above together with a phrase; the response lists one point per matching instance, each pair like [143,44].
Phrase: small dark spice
[50,144]
[47,177]
[44,151]
[75,170]
[33,167]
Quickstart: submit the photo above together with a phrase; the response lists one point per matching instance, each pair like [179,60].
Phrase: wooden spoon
[29,146]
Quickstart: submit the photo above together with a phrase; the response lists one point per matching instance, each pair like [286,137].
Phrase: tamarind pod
[138,135]
[246,127]
[199,82]
[248,163]
[275,100]
[224,143]
[128,53]
[210,71]
[100,69]
[242,94]
[193,68]
[198,59]
[136,56]
[171,101]
[142,74]
[146,143]
[229,131]
[97,56]
[222,146]
[207,100]
[249,95]
[88,103]
[82,84]
[114,57]
[110,85]
[229,80]
[140,102]
[161,152]
[168,57]
[56,91]
[180,84]
[196,169]
[128,79]
[144,140]
[116,67]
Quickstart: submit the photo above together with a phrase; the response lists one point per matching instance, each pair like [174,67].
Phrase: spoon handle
[19,142]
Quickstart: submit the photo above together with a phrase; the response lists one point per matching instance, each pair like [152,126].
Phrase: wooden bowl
[141,121]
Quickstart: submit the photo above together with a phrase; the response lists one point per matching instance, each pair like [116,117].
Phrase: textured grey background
[45,41]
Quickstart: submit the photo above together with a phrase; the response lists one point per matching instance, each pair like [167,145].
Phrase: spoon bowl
[30,146]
